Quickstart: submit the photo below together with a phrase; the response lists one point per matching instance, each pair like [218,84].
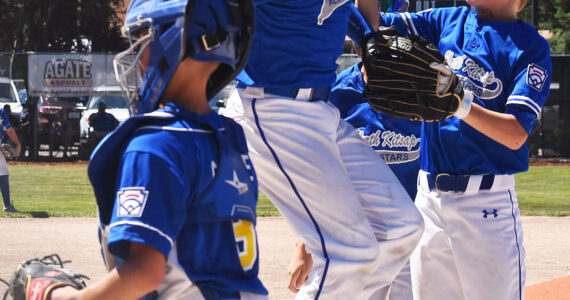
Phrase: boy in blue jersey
[472,247]
[6,127]
[175,189]
[337,195]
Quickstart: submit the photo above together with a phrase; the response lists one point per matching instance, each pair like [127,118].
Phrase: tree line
[61,25]
[94,25]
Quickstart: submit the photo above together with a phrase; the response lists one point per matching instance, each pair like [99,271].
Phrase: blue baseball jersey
[183,184]
[512,78]
[296,43]
[396,140]
[5,121]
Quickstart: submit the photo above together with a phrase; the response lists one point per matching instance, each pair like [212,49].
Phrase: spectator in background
[60,134]
[4,174]
[102,121]
[16,124]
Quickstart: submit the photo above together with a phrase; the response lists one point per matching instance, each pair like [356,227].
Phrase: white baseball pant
[472,246]
[337,195]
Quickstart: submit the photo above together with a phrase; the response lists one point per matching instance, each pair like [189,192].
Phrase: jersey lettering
[491,87]
[246,243]
[390,139]
[247,164]
[328,8]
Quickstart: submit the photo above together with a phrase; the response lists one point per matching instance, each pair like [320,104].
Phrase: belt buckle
[437,180]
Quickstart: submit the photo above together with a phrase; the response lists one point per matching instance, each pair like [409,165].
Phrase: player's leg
[292,147]
[487,242]
[5,189]
[396,222]
[432,265]
[401,288]
[4,182]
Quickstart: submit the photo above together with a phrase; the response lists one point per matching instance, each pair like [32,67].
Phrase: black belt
[317,94]
[456,183]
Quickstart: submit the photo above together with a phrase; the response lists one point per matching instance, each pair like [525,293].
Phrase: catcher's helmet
[205,30]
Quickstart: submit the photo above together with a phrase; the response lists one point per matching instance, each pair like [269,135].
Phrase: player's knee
[419,228]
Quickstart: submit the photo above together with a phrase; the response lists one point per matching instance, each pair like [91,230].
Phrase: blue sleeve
[358,27]
[150,205]
[347,90]
[5,120]
[428,24]
[529,90]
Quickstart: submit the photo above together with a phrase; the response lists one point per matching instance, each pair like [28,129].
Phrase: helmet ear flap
[241,14]
[220,78]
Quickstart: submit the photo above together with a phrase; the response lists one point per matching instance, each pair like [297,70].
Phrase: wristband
[465,105]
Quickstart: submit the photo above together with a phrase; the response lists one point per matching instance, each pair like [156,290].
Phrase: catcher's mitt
[9,151]
[407,78]
[37,277]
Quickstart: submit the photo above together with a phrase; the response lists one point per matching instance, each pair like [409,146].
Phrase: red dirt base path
[557,289]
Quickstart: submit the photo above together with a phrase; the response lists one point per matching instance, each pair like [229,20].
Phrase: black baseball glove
[9,151]
[407,78]
[37,277]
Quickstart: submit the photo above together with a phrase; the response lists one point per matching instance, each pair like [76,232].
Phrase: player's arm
[140,274]
[14,138]
[524,102]
[300,266]
[502,127]
[369,9]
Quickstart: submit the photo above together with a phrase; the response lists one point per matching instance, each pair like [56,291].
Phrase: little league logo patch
[536,77]
[131,201]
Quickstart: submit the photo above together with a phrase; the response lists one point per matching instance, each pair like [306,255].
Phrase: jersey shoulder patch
[132,201]
[536,77]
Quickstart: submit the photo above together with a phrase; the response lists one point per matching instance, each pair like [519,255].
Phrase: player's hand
[299,268]
[64,293]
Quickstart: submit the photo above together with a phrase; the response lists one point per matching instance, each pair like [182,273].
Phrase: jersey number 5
[246,243]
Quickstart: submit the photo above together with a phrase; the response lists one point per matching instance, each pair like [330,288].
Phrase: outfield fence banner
[67,75]
[6,66]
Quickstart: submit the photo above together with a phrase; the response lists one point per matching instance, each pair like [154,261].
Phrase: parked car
[23,94]
[58,122]
[9,95]
[116,105]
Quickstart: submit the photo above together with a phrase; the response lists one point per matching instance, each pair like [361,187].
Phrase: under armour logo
[491,212]
[240,186]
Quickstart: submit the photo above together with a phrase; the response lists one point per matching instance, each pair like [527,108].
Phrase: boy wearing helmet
[177,214]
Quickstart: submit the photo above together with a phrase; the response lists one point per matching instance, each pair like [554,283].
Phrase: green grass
[63,190]
[544,191]
[60,190]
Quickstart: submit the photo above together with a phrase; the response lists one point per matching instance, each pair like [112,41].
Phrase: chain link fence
[550,137]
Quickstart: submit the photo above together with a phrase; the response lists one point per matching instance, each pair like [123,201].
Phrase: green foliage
[553,15]
[60,25]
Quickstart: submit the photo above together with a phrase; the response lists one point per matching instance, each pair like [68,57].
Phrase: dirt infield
[546,242]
